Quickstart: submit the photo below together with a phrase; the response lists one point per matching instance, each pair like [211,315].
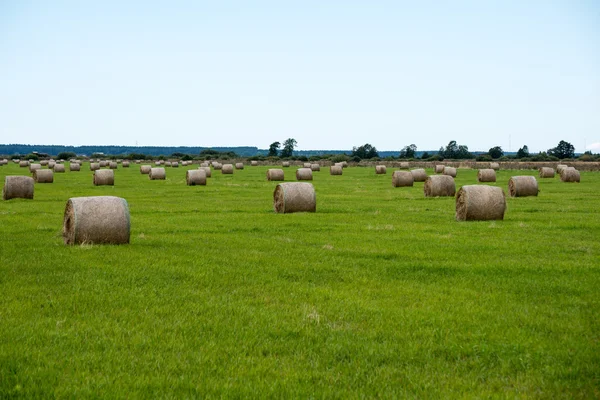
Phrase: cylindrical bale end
[59,168]
[74,167]
[439,186]
[94,166]
[522,186]
[293,197]
[495,166]
[113,165]
[17,187]
[402,179]
[480,203]
[96,220]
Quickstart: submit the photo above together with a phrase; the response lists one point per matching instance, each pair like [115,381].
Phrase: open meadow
[380,293]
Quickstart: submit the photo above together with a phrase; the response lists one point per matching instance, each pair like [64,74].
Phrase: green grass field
[380,293]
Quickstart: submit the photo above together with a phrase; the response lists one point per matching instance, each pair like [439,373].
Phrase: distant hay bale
[404,165]
[339,164]
[560,167]
[439,185]
[419,175]
[486,175]
[43,176]
[344,164]
[207,171]
[570,175]
[157,174]
[450,171]
[294,197]
[307,165]
[439,169]
[495,166]
[125,164]
[51,164]
[167,163]
[59,168]
[480,203]
[227,169]
[285,164]
[104,177]
[304,174]
[274,174]
[336,170]
[253,163]
[204,164]
[380,169]
[103,164]
[315,167]
[96,220]
[17,187]
[33,167]
[218,166]
[44,163]
[23,163]
[546,172]
[157,163]
[138,161]
[239,165]
[74,167]
[94,166]
[145,169]
[522,186]
[195,177]
[174,164]
[113,165]
[402,179]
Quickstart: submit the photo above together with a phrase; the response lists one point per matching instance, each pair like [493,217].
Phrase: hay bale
[195,177]
[315,167]
[218,166]
[486,175]
[204,164]
[480,203]
[450,171]
[306,165]
[560,167]
[439,169]
[344,164]
[23,163]
[103,164]
[274,174]
[254,163]
[521,186]
[43,176]
[419,175]
[145,169]
[96,220]
[17,187]
[207,171]
[174,164]
[285,164]
[157,174]
[157,163]
[74,167]
[439,185]
[125,164]
[59,168]
[167,163]
[51,164]
[33,167]
[304,174]
[44,163]
[227,169]
[570,174]
[402,179]
[239,165]
[546,172]
[113,165]
[380,169]
[104,177]
[404,165]
[94,166]
[294,197]
[495,166]
[335,170]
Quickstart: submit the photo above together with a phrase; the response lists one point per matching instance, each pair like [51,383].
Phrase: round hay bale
[294,197]
[138,161]
[306,165]
[51,164]
[402,179]
[157,174]
[204,164]
[315,167]
[227,169]
[125,164]
[23,163]
[157,163]
[274,174]
[104,177]
[480,203]
[495,166]
[43,176]
[419,175]
[486,175]
[44,163]
[174,164]
[167,163]
[336,170]
[74,167]
[304,174]
[17,187]
[450,171]
[380,169]
[239,165]
[560,167]
[439,185]
[522,186]
[344,164]
[113,165]
[94,166]
[195,177]
[33,167]
[96,220]
[404,165]
[254,163]
[103,164]
[59,168]
[218,166]
[546,172]
[285,164]
[339,164]
[439,169]
[145,169]
[207,171]
[570,175]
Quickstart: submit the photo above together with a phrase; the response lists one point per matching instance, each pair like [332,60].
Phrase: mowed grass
[380,293]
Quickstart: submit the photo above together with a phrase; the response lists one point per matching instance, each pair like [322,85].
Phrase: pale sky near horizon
[331,74]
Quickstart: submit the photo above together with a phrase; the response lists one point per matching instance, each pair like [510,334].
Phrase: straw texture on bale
[113,165]
[495,166]
[157,163]
[402,179]
[380,169]
[51,164]
[157,174]
[304,174]
[195,177]
[74,167]
[560,167]
[522,186]
[439,169]
[274,174]
[168,164]
[17,187]
[96,220]
[145,169]
[336,170]
[480,203]
[204,164]
[44,163]
[486,175]
[103,164]
[254,163]
[344,164]
[33,167]
[218,166]
[294,197]
[239,165]
[227,169]
[306,165]
[546,172]
[23,163]
[419,175]
[174,164]
[94,166]
[125,164]
[315,167]
[43,176]
[59,168]
[207,171]
[104,177]
[570,175]
[450,171]
[285,164]
[404,165]
[439,185]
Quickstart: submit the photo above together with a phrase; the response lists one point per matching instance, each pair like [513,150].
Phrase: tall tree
[523,152]
[408,151]
[455,151]
[273,148]
[496,152]
[563,150]
[288,147]
[365,151]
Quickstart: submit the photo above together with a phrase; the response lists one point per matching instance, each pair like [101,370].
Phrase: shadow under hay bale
[104,177]
[523,186]
[195,177]
[570,174]
[43,176]
[157,174]
[439,186]
[402,179]
[336,170]
[419,175]
[275,174]
[17,187]
[486,175]
[96,220]
[546,172]
[294,197]
[304,174]
[480,203]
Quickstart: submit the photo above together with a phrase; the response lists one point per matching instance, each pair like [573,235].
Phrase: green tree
[523,152]
[425,155]
[455,151]
[496,152]
[273,148]
[365,151]
[563,150]
[288,147]
[65,155]
[408,151]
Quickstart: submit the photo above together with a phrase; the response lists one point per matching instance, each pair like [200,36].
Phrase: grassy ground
[379,293]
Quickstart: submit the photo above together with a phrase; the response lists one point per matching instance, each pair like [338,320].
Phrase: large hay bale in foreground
[74,167]
[96,220]
[419,175]
[17,187]
[293,197]
[59,168]
[402,179]
[94,166]
[439,169]
[33,167]
[522,186]
[104,177]
[145,169]
[285,164]
[304,174]
[450,171]
[439,185]
[239,165]
[570,174]
[336,170]
[486,175]
[227,169]
[546,172]
[380,169]
[157,174]
[274,174]
[315,167]
[195,177]
[43,176]
[480,203]
[495,166]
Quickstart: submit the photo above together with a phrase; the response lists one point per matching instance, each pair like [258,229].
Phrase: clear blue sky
[331,74]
